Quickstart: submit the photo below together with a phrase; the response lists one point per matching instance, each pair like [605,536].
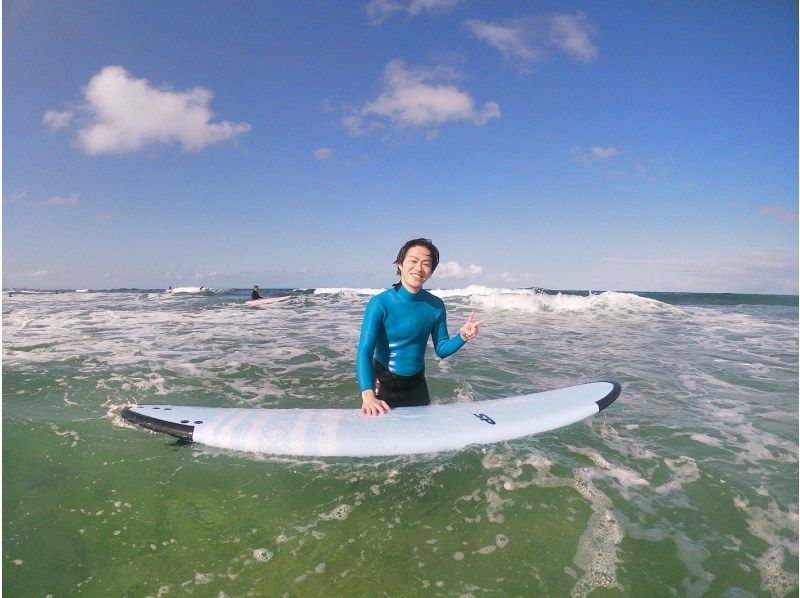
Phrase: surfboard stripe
[299,429]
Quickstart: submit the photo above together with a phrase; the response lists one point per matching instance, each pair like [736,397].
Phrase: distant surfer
[390,361]
[255,294]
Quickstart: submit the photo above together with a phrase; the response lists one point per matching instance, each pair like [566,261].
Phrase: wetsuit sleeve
[442,343]
[373,320]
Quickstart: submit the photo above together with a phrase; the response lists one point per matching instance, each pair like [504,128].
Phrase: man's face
[416,268]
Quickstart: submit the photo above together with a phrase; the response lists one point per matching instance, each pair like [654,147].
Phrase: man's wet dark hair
[427,243]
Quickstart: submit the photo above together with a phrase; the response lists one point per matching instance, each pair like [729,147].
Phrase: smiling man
[390,362]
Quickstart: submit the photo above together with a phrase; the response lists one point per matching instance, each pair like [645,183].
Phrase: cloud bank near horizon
[452,269]
[744,274]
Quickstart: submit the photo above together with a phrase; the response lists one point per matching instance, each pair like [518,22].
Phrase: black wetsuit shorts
[400,391]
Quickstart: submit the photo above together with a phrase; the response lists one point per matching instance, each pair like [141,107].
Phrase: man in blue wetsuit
[390,363]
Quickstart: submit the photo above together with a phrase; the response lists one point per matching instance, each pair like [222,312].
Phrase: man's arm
[447,346]
[373,320]
[442,343]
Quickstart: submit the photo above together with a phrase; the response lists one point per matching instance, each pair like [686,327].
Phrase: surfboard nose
[616,388]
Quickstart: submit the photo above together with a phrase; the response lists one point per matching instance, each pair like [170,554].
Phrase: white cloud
[123,114]
[196,277]
[358,163]
[59,200]
[380,10]
[323,153]
[604,153]
[107,215]
[355,124]
[507,278]
[64,201]
[515,39]
[573,35]
[31,274]
[456,270]
[57,120]
[656,171]
[780,212]
[418,97]
[527,40]
[18,197]
[596,153]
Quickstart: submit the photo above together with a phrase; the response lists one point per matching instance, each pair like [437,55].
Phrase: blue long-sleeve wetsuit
[395,333]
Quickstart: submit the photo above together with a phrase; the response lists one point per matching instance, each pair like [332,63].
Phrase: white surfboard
[402,431]
[266,301]
[187,290]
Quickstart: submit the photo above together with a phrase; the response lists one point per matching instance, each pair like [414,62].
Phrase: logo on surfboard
[484,417]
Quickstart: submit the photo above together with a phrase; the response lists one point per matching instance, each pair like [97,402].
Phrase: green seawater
[686,486]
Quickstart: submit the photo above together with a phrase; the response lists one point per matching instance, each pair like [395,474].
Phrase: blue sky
[586,145]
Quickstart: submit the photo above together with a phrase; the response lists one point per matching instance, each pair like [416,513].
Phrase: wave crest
[347,292]
[529,300]
[539,301]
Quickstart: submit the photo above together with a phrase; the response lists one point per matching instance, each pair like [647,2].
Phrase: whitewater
[687,485]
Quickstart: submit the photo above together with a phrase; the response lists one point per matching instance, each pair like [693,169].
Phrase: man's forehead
[419,251]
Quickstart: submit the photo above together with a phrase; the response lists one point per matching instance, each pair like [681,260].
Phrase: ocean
[686,486]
